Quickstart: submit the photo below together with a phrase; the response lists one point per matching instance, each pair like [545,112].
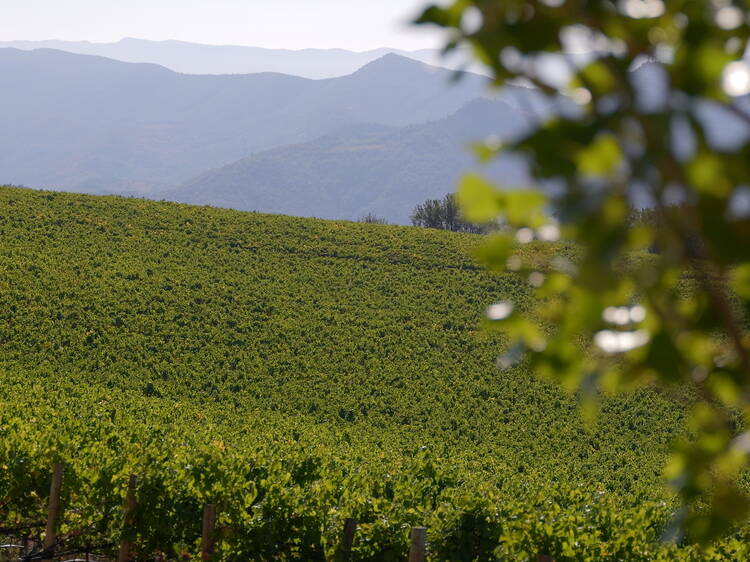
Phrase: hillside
[298,371]
[365,169]
[90,124]
[194,58]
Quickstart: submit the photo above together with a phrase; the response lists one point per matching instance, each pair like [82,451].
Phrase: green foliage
[631,117]
[298,372]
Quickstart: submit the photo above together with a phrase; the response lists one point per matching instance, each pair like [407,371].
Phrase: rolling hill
[296,372]
[363,169]
[91,124]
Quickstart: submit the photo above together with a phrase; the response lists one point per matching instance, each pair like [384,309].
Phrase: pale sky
[290,24]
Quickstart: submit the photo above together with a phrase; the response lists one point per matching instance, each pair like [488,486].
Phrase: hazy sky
[291,24]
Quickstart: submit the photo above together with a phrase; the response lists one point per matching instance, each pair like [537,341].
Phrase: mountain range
[379,140]
[94,125]
[364,169]
[195,58]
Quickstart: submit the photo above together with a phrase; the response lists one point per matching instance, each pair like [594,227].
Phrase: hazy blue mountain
[194,58]
[91,124]
[363,169]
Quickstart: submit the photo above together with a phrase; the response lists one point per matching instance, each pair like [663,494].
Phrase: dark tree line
[371,218]
[443,214]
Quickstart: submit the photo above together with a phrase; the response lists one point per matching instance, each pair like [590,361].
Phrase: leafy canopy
[297,372]
[618,317]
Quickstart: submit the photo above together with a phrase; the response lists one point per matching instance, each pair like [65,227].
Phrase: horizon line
[219,45]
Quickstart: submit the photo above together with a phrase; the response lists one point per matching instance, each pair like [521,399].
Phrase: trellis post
[344,550]
[209,523]
[53,510]
[418,548]
[126,546]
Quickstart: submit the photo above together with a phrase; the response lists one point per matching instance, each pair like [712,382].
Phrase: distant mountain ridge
[364,169]
[379,140]
[95,125]
[195,58]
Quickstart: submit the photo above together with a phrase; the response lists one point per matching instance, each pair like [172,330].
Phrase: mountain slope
[194,58]
[92,124]
[367,169]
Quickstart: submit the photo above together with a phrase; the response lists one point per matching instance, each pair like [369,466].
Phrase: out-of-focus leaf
[740,280]
[707,174]
[494,252]
[597,77]
[479,199]
[601,158]
[521,207]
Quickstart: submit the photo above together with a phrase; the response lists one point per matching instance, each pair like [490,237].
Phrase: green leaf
[601,158]
[478,198]
[597,77]
[522,207]
[707,175]
[740,280]
[494,253]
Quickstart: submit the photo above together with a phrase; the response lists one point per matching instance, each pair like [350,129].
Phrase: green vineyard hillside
[297,372]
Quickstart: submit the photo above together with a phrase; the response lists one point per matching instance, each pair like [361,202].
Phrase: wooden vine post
[53,510]
[344,551]
[418,548]
[127,548]
[209,523]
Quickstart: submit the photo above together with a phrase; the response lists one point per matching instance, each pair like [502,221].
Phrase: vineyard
[296,373]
